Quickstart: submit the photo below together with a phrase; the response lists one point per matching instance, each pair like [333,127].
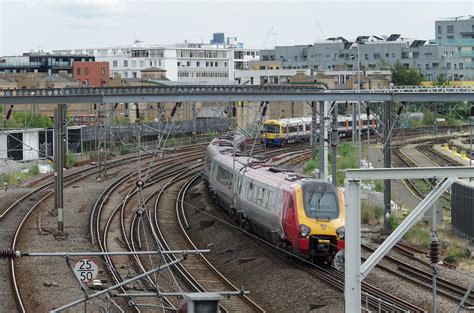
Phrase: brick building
[91,74]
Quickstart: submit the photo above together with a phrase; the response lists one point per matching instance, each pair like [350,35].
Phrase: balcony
[469,65]
[20,64]
[455,42]
[466,54]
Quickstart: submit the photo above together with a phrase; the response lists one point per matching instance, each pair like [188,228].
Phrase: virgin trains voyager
[300,214]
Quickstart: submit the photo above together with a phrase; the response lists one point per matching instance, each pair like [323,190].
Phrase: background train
[301,214]
[289,130]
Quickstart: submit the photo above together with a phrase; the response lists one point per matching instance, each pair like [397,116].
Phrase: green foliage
[122,120]
[418,236]
[394,221]
[423,186]
[402,76]
[211,135]
[15,178]
[34,170]
[454,253]
[29,120]
[441,80]
[123,149]
[70,159]
[310,166]
[378,185]
[371,213]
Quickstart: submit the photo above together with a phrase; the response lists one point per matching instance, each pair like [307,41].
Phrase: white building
[186,62]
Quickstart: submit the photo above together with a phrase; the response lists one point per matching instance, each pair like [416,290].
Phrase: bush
[419,236]
[124,149]
[70,159]
[454,253]
[29,120]
[310,166]
[34,170]
[379,185]
[371,213]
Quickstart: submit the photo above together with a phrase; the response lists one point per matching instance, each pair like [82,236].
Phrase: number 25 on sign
[86,269]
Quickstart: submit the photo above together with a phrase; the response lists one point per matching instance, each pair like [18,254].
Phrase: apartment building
[458,32]
[39,62]
[373,53]
[198,63]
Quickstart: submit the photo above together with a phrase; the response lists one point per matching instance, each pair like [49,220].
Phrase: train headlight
[304,230]
[341,232]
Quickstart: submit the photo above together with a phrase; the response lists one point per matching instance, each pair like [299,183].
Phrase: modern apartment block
[373,53]
[458,32]
[39,62]
[196,63]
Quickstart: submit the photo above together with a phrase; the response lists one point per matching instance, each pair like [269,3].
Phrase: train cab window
[300,128]
[270,128]
[285,130]
[320,205]
[224,177]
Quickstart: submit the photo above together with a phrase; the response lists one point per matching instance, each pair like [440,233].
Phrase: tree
[402,76]
[441,80]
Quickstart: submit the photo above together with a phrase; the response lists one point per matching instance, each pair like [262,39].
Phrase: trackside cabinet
[201,302]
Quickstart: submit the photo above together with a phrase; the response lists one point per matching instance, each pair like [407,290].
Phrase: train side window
[308,127]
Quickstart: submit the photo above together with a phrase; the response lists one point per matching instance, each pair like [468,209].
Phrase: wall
[92,74]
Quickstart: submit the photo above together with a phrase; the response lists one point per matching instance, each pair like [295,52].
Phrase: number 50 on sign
[86,269]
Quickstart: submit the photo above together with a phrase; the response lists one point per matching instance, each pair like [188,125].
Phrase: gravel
[275,283]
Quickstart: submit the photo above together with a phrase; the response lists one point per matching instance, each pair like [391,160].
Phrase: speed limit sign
[86,269]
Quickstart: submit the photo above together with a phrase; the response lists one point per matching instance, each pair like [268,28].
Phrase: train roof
[308,119]
[222,150]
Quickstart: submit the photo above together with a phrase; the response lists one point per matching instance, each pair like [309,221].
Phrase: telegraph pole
[193,137]
[314,127]
[59,164]
[334,141]
[387,194]
[322,172]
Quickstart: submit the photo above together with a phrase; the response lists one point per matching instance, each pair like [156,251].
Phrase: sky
[64,24]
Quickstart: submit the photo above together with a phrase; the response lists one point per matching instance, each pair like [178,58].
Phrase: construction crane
[268,35]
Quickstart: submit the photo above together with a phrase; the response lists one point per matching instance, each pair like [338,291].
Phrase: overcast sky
[54,24]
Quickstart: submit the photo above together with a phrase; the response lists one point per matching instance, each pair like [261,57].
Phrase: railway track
[419,187]
[112,211]
[423,278]
[436,157]
[14,217]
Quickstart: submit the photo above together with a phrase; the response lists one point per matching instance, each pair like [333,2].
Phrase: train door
[290,219]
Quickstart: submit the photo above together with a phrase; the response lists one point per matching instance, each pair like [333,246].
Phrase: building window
[188,63]
[198,64]
[134,63]
[125,63]
[461,66]
[142,63]
[114,63]
[85,82]
[134,74]
[451,37]
[448,65]
[78,71]
[450,29]
[439,29]
[102,71]
[86,71]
